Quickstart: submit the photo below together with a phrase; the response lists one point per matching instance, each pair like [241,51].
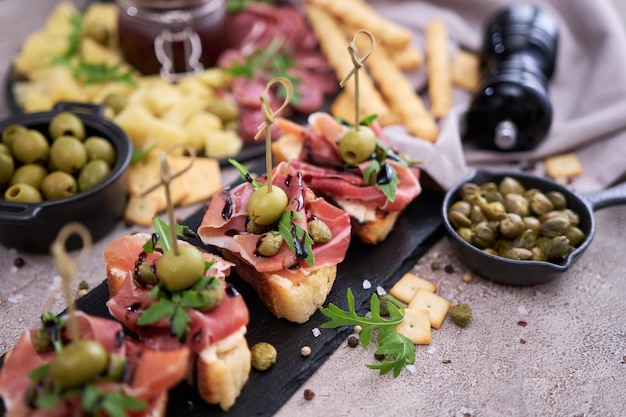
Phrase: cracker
[436,305]
[466,70]
[563,166]
[140,210]
[405,288]
[438,67]
[416,326]
[202,180]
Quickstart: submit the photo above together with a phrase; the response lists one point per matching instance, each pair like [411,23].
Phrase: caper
[516,203]
[491,251]
[319,231]
[266,207]
[509,185]
[180,271]
[263,355]
[492,210]
[462,207]
[30,146]
[357,145]
[477,214]
[66,124]
[574,218]
[78,362]
[100,148]
[557,247]
[269,244]
[461,314]
[519,254]
[32,174]
[511,225]
[465,233]
[469,189]
[502,245]
[145,274]
[483,235]
[558,199]
[492,195]
[255,228]
[10,132]
[42,342]
[92,174]
[574,235]
[527,239]
[538,254]
[458,219]
[555,226]
[116,102]
[7,167]
[22,193]
[116,367]
[227,110]
[540,204]
[215,292]
[68,154]
[58,184]
[533,224]
[488,186]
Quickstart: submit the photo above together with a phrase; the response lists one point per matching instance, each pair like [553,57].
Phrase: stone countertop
[553,349]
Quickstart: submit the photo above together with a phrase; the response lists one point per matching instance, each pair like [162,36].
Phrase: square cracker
[436,305]
[140,210]
[416,326]
[405,288]
[202,180]
[563,166]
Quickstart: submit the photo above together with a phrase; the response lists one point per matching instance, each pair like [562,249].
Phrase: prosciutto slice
[324,171]
[150,373]
[205,328]
[224,226]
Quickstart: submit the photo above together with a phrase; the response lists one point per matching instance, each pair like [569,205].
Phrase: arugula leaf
[139,154]
[391,343]
[114,404]
[245,174]
[372,172]
[292,232]
[52,325]
[235,6]
[164,240]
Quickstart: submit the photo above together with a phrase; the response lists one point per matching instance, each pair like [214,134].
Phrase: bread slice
[220,371]
[375,231]
[294,301]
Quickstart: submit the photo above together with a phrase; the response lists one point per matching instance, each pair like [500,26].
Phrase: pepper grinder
[511,111]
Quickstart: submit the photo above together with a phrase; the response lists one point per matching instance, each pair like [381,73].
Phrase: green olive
[68,154]
[6,168]
[9,133]
[79,362]
[357,145]
[100,148]
[22,193]
[58,184]
[265,207]
[116,102]
[4,149]
[66,124]
[30,146]
[32,174]
[92,174]
[179,272]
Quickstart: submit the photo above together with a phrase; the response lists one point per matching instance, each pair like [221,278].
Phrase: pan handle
[608,197]
[18,213]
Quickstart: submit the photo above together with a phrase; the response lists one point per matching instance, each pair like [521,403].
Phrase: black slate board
[416,230]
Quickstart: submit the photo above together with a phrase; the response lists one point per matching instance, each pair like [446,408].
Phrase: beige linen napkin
[587,91]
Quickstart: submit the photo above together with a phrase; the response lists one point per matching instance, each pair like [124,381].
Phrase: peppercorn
[353,341]
[19,262]
[308,394]
[449,268]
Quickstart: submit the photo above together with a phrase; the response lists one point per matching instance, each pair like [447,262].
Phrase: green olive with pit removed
[22,193]
[68,154]
[266,207]
[9,133]
[66,124]
[7,167]
[100,148]
[357,145]
[92,174]
[58,184]
[32,174]
[30,146]
[78,363]
[182,271]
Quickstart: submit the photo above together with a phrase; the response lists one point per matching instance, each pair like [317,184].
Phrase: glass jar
[171,37]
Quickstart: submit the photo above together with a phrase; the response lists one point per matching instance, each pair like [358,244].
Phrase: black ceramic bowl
[32,227]
[519,272]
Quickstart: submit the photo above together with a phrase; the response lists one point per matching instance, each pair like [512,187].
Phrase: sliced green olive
[179,272]
[68,154]
[66,124]
[100,148]
[22,193]
[357,145]
[58,184]
[265,207]
[10,132]
[6,168]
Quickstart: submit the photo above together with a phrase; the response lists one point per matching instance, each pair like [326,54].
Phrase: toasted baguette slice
[220,371]
[295,302]
[375,231]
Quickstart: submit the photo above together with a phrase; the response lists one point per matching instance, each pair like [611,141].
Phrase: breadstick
[466,70]
[343,108]
[358,13]
[404,101]
[438,68]
[334,45]
[407,59]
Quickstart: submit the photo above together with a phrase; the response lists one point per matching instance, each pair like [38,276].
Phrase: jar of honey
[173,38]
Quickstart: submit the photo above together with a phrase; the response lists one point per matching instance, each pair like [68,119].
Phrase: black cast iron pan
[524,272]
